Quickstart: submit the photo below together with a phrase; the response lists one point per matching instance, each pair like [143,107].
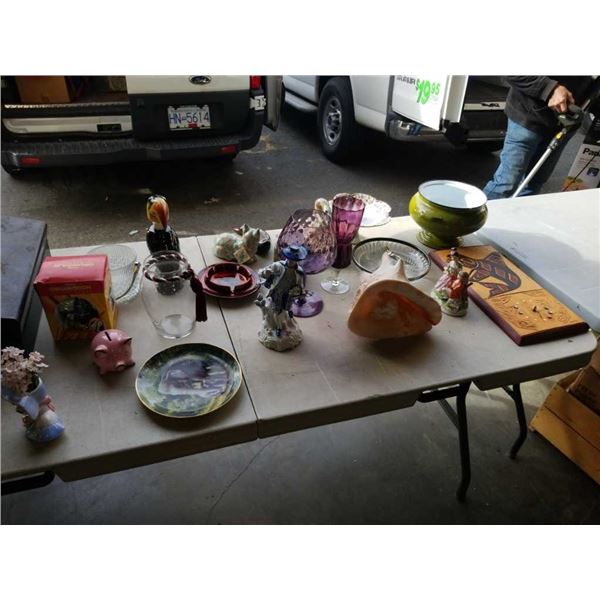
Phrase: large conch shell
[388,306]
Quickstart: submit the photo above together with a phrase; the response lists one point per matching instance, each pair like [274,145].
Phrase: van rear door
[188,106]
[273,87]
[429,99]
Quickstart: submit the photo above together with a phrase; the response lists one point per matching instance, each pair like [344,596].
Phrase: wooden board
[571,427]
[525,311]
[568,441]
[574,413]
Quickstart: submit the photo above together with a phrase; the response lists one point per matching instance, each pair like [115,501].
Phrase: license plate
[189,117]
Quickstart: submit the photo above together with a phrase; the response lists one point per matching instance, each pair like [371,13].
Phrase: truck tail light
[255,82]
[30,161]
[229,149]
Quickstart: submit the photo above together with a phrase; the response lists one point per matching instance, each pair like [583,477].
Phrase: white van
[468,110]
[53,121]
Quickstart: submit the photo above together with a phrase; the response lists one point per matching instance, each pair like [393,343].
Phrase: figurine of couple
[282,282]
[450,291]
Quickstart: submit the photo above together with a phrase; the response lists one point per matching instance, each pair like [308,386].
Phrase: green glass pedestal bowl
[446,210]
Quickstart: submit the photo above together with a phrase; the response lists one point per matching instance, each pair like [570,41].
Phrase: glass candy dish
[367,255]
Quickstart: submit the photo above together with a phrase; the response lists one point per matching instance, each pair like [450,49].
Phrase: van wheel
[338,131]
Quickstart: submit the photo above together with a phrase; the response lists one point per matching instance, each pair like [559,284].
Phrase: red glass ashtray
[228,280]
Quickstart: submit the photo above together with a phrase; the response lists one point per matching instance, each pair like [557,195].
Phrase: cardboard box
[595,362]
[586,388]
[584,173]
[75,294]
[570,426]
[45,89]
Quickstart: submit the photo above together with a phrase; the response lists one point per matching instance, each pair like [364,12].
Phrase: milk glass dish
[167,295]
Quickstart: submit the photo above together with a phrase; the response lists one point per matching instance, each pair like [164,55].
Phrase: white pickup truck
[468,110]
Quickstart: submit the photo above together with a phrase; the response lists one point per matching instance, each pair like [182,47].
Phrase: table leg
[27,483]
[515,394]
[459,418]
[463,440]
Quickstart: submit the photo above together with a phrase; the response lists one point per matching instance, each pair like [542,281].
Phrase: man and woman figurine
[451,289]
[283,282]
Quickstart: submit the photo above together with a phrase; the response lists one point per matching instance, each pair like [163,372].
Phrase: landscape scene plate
[188,380]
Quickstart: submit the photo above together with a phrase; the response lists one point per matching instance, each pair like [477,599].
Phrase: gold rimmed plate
[188,380]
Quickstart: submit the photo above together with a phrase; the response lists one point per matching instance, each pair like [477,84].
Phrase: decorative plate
[188,380]
[367,254]
[228,280]
[377,212]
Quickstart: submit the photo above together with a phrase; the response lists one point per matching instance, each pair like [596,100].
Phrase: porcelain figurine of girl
[282,281]
[451,289]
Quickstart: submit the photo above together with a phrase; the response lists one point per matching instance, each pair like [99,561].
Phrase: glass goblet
[347,214]
[312,229]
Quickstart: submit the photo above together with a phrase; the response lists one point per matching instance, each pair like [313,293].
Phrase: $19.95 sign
[427,90]
[420,98]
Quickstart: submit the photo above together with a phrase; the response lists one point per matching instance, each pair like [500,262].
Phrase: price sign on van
[189,117]
[420,98]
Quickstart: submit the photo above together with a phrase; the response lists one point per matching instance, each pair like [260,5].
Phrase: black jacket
[527,101]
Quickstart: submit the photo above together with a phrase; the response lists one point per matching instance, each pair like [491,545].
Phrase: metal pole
[533,171]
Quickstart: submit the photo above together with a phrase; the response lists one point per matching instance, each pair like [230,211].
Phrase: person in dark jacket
[532,106]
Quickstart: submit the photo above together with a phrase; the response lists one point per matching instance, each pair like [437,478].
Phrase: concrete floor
[399,467]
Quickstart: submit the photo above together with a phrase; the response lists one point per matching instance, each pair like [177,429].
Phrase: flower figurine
[22,386]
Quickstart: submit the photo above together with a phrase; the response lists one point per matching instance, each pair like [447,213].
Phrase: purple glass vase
[312,229]
[347,215]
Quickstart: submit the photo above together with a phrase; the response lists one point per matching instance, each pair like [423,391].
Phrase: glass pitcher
[172,294]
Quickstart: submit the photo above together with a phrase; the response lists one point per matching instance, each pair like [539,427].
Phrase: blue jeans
[522,149]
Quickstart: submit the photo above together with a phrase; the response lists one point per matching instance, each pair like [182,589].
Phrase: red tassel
[200,299]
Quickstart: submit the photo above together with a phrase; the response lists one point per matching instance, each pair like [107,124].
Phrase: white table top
[554,238]
[106,427]
[334,375]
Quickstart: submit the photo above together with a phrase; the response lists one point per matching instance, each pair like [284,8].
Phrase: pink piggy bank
[112,350]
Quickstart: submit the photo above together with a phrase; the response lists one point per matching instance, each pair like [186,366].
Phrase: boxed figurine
[75,294]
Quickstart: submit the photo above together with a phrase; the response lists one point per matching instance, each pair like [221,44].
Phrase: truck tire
[338,131]
[13,171]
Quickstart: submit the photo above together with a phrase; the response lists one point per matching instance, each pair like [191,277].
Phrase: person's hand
[561,99]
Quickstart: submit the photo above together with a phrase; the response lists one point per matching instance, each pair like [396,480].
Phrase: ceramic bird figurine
[160,235]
